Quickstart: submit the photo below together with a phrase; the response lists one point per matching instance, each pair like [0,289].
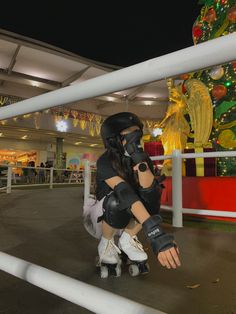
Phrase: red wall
[210,193]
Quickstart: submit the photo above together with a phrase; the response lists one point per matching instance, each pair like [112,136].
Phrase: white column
[177,219]
[51,178]
[9,178]
[87,179]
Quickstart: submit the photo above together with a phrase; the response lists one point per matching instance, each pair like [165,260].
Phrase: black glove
[134,148]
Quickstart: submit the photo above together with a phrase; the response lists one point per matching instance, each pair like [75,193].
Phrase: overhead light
[77,143]
[156,131]
[61,126]
[92,145]
[24,137]
[109,98]
[147,102]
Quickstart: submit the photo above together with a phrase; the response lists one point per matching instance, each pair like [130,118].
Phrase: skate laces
[136,243]
[110,247]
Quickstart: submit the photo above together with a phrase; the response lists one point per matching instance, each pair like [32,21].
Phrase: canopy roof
[29,68]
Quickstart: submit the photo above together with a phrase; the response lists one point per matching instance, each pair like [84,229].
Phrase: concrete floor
[45,227]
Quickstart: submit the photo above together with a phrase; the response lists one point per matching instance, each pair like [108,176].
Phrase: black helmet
[113,125]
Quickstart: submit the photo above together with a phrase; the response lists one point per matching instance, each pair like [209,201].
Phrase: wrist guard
[159,240]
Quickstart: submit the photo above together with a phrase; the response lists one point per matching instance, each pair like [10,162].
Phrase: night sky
[116,33]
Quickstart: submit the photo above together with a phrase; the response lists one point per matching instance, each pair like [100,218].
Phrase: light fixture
[92,145]
[77,143]
[61,126]
[24,137]
[156,131]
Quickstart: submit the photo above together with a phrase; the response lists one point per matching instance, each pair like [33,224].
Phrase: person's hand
[169,258]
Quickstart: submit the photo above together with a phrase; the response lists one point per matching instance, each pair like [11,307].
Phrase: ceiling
[29,68]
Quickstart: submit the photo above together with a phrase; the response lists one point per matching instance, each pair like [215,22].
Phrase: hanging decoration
[219,91]
[91,125]
[98,120]
[6,100]
[83,120]
[216,73]
[74,114]
[90,120]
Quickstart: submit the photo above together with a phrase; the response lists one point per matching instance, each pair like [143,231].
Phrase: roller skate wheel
[134,270]
[118,271]
[104,272]
[145,269]
[97,261]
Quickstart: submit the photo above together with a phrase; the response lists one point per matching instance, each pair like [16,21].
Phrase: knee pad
[115,215]
[151,197]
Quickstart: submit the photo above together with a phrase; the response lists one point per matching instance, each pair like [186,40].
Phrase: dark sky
[115,32]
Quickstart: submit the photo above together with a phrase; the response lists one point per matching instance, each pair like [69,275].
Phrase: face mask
[133,144]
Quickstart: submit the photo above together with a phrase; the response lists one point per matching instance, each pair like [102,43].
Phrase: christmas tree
[218,18]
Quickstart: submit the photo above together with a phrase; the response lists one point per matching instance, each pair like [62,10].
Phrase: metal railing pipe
[210,53]
[92,298]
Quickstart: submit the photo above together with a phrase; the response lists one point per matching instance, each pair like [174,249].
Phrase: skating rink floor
[45,227]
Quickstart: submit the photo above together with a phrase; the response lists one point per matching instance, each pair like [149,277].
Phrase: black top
[104,171]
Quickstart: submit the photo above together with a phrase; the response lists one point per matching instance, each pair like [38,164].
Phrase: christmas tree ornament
[210,16]
[216,73]
[232,14]
[219,91]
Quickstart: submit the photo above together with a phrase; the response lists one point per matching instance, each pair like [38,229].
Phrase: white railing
[213,52]
[92,298]
[177,201]
[177,198]
[51,177]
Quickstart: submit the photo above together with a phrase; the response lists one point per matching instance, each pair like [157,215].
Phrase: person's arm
[159,240]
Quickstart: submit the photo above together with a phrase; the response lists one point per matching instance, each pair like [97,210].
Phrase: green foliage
[213,22]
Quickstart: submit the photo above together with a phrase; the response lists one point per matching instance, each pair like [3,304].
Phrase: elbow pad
[160,241]
[151,197]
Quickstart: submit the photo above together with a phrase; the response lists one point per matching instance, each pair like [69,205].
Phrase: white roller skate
[109,262]
[133,254]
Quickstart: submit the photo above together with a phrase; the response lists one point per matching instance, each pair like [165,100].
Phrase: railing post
[177,218]
[51,178]
[87,179]
[9,178]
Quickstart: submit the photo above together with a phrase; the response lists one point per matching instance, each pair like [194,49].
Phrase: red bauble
[219,91]
[232,14]
[234,65]
[197,31]
[210,16]
[184,90]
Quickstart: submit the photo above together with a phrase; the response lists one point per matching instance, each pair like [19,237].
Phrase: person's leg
[107,231]
[107,250]
[130,244]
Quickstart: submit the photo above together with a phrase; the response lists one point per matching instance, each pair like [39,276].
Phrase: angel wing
[200,109]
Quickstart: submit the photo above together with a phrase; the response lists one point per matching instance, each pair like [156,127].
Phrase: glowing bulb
[61,126]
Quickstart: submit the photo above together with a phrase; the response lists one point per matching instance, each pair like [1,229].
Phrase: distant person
[41,173]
